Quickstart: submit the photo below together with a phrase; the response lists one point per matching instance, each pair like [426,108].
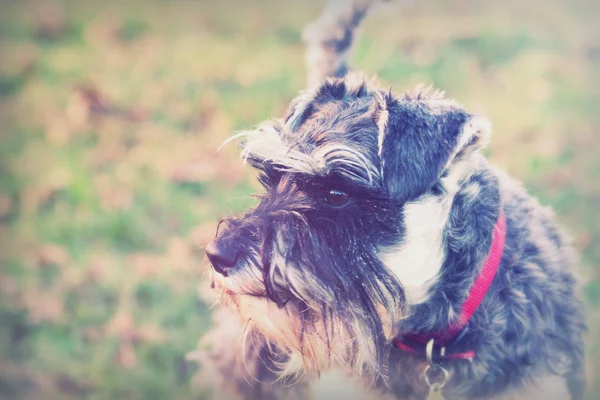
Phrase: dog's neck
[472,211]
[440,345]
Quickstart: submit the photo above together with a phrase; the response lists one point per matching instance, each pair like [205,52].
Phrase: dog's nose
[222,255]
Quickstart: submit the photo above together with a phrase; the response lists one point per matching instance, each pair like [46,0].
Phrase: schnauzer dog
[386,247]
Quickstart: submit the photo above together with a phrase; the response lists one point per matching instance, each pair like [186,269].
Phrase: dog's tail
[330,37]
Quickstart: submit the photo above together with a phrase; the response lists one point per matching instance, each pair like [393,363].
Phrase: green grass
[110,182]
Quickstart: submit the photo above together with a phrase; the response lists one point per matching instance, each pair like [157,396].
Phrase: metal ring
[442,383]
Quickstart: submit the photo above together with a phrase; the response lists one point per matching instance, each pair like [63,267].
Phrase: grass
[110,182]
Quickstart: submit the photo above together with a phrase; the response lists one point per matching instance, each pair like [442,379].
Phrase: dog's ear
[422,136]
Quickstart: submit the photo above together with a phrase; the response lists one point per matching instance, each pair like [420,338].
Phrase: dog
[387,257]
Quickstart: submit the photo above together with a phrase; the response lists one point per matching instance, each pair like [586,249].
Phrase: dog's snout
[222,255]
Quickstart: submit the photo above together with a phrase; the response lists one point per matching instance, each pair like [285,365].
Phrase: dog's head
[358,188]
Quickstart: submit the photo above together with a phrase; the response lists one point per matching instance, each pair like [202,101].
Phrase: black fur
[531,321]
[411,164]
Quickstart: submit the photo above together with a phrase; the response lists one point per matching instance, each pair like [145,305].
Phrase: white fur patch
[418,260]
[382,119]
[476,133]
[267,145]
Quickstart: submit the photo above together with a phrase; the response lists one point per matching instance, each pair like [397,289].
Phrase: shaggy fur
[377,217]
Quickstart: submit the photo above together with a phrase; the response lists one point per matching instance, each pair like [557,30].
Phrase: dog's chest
[409,384]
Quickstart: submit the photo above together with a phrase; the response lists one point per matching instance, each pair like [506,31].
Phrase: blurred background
[110,182]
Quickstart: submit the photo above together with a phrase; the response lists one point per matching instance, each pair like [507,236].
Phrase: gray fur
[318,267]
[531,322]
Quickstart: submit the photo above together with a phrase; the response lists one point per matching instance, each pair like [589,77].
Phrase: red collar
[416,343]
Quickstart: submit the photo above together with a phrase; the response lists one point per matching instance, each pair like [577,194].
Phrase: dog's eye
[336,198]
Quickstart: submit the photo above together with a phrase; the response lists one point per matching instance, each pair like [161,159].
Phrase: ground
[111,183]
